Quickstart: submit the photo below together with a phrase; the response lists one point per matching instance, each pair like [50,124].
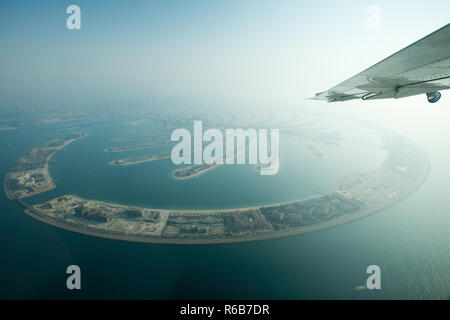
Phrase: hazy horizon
[252,52]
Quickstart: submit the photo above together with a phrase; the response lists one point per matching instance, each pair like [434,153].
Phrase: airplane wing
[422,67]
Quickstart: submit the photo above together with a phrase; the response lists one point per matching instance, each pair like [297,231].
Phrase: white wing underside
[422,67]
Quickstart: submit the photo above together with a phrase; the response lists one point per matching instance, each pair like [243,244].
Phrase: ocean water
[409,241]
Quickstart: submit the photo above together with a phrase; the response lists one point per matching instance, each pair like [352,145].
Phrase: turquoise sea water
[408,241]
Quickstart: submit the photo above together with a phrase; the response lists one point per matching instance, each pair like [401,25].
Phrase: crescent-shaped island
[360,194]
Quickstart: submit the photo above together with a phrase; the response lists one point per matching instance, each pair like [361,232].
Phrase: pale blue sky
[210,51]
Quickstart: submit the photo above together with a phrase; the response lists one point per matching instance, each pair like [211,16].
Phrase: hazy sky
[275,52]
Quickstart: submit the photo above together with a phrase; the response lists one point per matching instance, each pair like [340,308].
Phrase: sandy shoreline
[52,185]
[138,147]
[196,174]
[113,162]
[249,237]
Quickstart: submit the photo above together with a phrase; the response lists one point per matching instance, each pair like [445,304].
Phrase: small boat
[363,287]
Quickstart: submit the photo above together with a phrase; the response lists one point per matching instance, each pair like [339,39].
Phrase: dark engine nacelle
[433,97]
